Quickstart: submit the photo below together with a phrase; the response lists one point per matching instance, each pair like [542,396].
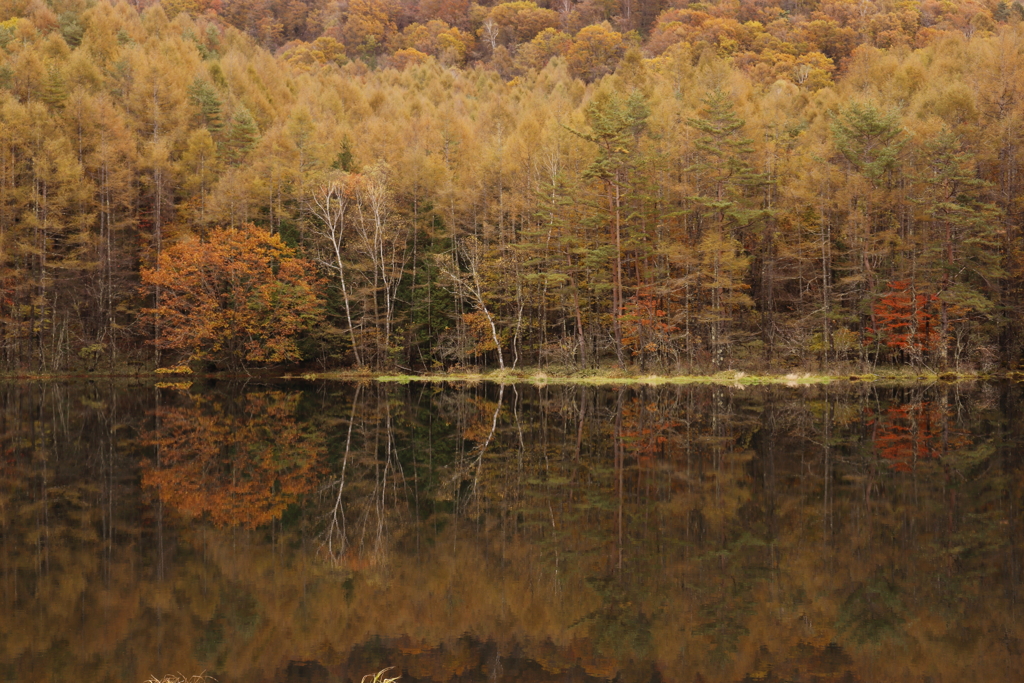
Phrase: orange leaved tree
[240,296]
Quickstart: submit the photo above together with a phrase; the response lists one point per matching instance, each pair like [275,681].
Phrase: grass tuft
[180,369]
[379,677]
[179,678]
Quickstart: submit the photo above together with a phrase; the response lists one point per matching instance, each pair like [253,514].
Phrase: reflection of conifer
[202,94]
[242,136]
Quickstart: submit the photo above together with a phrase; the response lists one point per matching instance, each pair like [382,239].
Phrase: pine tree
[616,123]
[202,94]
[55,90]
[722,169]
[242,136]
[877,216]
[956,255]
[726,209]
[871,141]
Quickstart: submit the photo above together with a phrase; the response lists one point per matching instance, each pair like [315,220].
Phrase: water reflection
[238,460]
[290,532]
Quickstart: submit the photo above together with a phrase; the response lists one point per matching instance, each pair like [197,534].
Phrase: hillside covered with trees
[661,185]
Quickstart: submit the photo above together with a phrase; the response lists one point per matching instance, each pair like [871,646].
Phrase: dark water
[301,532]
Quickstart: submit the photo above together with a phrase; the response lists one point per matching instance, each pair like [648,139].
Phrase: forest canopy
[671,186]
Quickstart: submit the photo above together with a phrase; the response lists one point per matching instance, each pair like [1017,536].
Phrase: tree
[239,297]
[545,45]
[595,51]
[616,124]
[905,320]
[722,270]
[368,26]
[383,240]
[242,136]
[461,269]
[956,252]
[202,94]
[722,169]
[330,203]
[870,140]
[518,22]
[308,56]
[197,171]
[870,143]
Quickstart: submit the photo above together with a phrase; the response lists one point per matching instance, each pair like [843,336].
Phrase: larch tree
[722,279]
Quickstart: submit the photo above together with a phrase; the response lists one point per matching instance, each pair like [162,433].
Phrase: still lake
[297,531]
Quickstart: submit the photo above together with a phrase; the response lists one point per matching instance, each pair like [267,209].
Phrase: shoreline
[600,377]
[732,378]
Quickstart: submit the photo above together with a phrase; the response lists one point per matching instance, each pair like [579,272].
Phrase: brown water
[300,532]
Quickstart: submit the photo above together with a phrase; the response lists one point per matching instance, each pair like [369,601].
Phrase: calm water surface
[319,532]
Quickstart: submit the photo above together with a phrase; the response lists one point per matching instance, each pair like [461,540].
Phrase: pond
[299,531]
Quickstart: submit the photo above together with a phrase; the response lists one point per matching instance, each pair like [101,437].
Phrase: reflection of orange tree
[647,430]
[906,433]
[240,467]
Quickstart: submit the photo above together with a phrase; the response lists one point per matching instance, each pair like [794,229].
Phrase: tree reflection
[907,432]
[519,533]
[240,463]
[368,495]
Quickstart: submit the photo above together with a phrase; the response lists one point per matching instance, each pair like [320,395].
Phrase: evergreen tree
[616,123]
[55,90]
[722,152]
[723,174]
[877,216]
[241,137]
[725,208]
[202,94]
[871,141]
[957,255]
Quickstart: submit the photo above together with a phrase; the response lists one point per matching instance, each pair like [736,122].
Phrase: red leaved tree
[240,296]
[647,330]
[905,320]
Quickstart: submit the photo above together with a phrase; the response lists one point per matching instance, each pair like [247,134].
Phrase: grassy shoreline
[598,377]
[725,378]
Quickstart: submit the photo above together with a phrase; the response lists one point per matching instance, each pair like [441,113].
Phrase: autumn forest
[403,184]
